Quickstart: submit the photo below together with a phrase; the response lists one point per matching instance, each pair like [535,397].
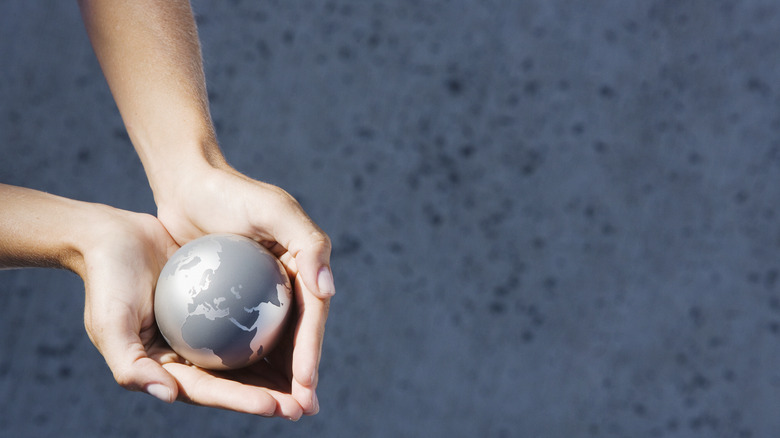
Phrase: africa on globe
[222,301]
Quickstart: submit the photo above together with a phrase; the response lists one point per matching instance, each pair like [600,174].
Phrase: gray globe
[222,300]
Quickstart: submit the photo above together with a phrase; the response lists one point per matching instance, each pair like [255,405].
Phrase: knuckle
[280,195]
[261,407]
[125,379]
[91,328]
[322,240]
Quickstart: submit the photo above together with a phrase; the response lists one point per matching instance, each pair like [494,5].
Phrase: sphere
[222,300]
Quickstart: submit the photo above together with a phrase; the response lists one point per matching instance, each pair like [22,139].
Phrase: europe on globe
[222,301]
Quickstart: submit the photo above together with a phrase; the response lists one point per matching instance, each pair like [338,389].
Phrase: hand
[122,258]
[219,199]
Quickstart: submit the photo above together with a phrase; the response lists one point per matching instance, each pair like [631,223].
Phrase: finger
[119,342]
[309,335]
[305,242]
[205,389]
[312,258]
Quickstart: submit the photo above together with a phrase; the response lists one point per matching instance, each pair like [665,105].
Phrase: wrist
[86,225]
[107,235]
[171,167]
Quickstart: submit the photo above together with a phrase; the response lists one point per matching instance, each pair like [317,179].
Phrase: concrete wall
[550,218]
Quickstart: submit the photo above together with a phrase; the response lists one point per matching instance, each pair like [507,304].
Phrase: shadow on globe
[222,301]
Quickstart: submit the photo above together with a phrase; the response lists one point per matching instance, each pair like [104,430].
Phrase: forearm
[41,230]
[150,56]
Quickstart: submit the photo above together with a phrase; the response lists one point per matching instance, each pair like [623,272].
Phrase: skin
[119,255]
[150,56]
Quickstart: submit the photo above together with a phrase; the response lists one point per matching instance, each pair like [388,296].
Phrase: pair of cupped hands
[125,252]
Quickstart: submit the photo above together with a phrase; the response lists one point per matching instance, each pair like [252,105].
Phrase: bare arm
[40,230]
[150,56]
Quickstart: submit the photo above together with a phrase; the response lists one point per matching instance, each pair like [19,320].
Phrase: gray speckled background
[550,218]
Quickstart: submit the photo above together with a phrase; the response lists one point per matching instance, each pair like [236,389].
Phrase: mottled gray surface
[550,218]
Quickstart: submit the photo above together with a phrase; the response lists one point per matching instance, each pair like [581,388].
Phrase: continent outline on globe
[222,300]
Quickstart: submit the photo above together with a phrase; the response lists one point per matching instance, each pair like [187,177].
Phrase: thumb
[146,375]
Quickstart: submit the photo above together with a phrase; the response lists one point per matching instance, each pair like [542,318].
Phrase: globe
[222,300]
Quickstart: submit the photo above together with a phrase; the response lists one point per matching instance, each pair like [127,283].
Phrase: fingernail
[325,282]
[160,391]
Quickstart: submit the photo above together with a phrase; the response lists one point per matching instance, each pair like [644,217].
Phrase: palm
[123,268]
